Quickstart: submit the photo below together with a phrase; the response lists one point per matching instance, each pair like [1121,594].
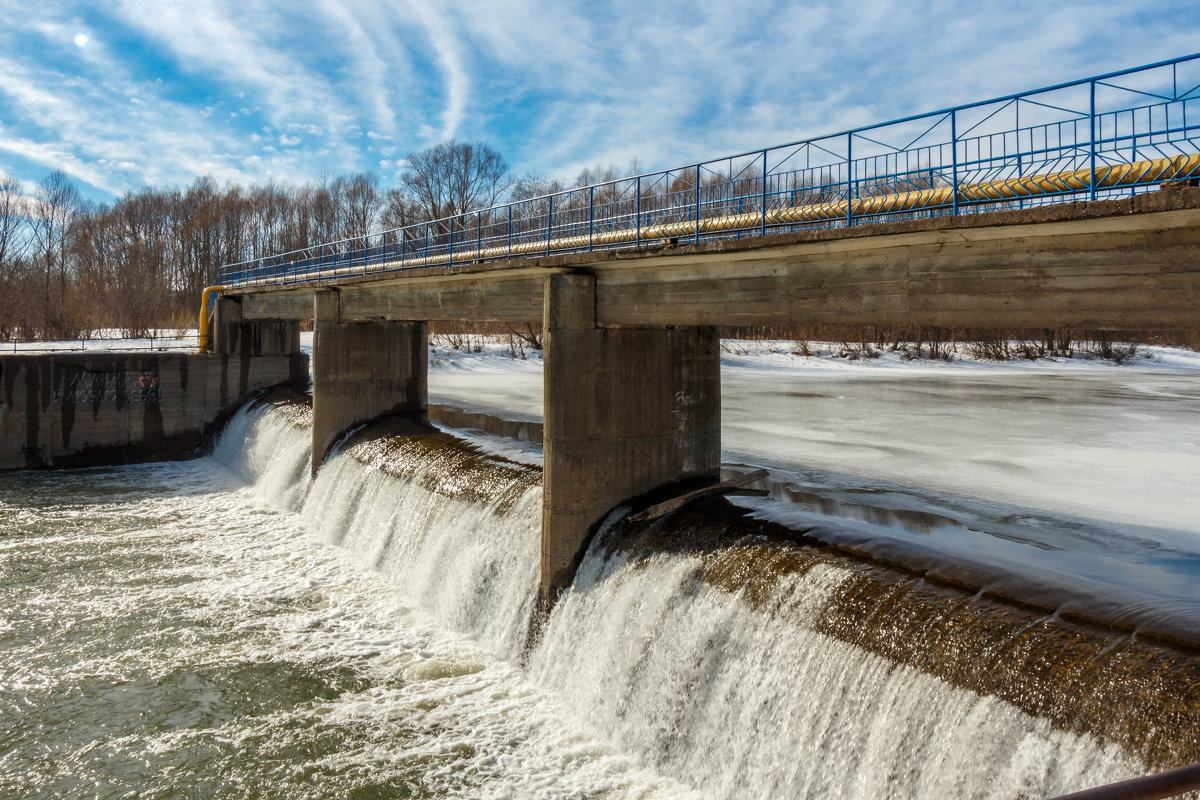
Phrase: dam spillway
[370,633]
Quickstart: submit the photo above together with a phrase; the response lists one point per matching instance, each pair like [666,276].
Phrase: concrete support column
[363,371]
[627,411]
[240,346]
[233,336]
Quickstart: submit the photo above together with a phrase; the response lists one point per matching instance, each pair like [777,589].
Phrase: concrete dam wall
[79,410]
[733,653]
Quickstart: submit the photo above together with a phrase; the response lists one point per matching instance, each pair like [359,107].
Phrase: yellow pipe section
[208,292]
[1107,177]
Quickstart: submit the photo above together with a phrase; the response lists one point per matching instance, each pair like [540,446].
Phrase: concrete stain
[67,377]
[99,384]
[152,419]
[33,456]
[46,383]
[246,354]
[119,368]
[113,385]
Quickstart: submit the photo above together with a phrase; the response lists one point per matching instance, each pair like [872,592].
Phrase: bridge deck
[1132,264]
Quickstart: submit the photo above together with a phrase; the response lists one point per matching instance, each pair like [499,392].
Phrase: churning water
[222,628]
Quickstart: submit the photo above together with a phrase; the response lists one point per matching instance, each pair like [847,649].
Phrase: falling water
[754,666]
[711,650]
[456,532]
[749,665]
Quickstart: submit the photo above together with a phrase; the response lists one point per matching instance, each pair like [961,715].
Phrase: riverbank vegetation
[70,267]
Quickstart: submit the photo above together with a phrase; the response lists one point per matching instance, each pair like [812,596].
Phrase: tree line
[69,267]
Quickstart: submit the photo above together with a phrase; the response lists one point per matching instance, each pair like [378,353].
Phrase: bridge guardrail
[1106,136]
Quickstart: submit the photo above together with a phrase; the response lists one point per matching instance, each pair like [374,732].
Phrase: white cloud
[556,86]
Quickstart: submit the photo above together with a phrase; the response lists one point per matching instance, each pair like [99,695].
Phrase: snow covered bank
[1111,446]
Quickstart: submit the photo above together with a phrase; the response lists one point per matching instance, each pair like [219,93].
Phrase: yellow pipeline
[204,326]
[1107,177]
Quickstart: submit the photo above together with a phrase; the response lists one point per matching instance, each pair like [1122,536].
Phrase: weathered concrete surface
[363,371]
[232,334]
[76,409]
[1133,271]
[511,295]
[626,412]
[1116,264]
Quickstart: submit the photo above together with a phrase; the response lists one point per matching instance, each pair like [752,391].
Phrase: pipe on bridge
[1114,176]
[206,298]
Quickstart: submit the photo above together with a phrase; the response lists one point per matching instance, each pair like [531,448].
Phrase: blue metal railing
[1065,142]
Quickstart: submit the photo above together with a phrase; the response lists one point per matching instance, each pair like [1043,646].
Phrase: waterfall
[457,532]
[722,651]
[736,685]
[268,444]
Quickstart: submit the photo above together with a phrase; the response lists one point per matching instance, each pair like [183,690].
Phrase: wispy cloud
[249,90]
[446,45]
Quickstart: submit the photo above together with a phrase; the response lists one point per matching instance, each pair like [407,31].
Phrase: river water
[220,628]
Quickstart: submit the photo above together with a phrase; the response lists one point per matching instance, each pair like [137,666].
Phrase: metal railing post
[479,235]
[697,204]
[450,252]
[1092,143]
[591,215]
[1133,136]
[763,226]
[425,255]
[510,231]
[403,242]
[954,159]
[639,211]
[549,223]
[1020,167]
[849,178]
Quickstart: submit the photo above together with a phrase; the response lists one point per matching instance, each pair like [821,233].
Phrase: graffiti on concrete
[93,388]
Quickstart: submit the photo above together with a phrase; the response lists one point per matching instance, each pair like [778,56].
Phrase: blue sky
[131,93]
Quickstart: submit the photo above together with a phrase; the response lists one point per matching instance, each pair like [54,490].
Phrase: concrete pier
[233,335]
[627,411]
[363,371]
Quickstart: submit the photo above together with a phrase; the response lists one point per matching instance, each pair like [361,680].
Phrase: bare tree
[361,202]
[453,178]
[68,266]
[533,185]
[13,242]
[529,193]
[597,174]
[400,210]
[12,213]
[56,205]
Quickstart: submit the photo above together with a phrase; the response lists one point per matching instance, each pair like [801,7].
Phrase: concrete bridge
[632,372]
